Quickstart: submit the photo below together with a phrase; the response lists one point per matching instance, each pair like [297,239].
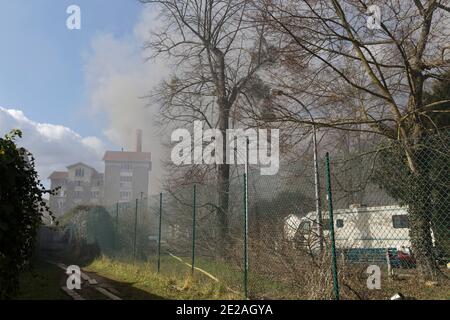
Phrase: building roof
[127,156]
[58,175]
[81,164]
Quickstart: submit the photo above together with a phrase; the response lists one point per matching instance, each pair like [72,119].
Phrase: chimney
[138,140]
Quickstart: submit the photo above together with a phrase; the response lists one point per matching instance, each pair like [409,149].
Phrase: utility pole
[317,189]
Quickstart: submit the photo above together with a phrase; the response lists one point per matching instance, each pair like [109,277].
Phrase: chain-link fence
[276,239]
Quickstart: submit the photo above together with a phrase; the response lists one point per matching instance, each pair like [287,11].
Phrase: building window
[78,183]
[125,185]
[79,172]
[94,194]
[78,194]
[126,182]
[126,166]
[400,221]
[126,178]
[125,195]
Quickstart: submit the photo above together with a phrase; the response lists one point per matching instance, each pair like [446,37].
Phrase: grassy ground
[174,282]
[42,282]
[405,282]
[140,280]
[419,291]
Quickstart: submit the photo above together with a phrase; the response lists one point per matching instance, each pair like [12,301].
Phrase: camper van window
[400,221]
[339,223]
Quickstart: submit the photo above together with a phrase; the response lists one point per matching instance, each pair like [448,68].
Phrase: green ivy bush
[21,210]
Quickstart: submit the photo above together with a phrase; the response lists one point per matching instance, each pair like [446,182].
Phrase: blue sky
[42,62]
[77,93]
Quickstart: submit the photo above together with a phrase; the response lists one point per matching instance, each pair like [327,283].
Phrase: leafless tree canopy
[217,51]
[294,63]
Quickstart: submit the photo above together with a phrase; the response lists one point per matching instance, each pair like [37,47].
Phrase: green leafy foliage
[21,210]
[431,188]
[90,224]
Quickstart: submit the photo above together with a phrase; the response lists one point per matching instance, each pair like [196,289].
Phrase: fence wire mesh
[390,209]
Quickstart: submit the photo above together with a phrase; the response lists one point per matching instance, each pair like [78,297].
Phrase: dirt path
[93,287]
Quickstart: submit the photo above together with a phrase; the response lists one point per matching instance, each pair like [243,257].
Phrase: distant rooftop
[127,156]
[57,175]
[81,164]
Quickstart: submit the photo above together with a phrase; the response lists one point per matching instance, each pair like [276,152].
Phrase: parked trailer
[356,227]
[361,233]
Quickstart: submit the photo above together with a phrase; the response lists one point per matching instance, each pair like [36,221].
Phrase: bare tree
[216,51]
[369,76]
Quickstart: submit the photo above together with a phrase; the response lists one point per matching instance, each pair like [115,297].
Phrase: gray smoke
[119,78]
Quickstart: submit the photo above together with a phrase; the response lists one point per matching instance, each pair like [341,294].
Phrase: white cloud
[54,146]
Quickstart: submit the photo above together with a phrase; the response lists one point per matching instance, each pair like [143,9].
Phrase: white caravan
[356,227]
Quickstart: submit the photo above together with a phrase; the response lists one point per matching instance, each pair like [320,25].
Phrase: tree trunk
[223,174]
[420,212]
[440,221]
[223,184]
[421,240]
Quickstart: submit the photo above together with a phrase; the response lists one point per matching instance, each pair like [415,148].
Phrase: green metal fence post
[193,227]
[135,229]
[116,235]
[159,231]
[333,243]
[245,237]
